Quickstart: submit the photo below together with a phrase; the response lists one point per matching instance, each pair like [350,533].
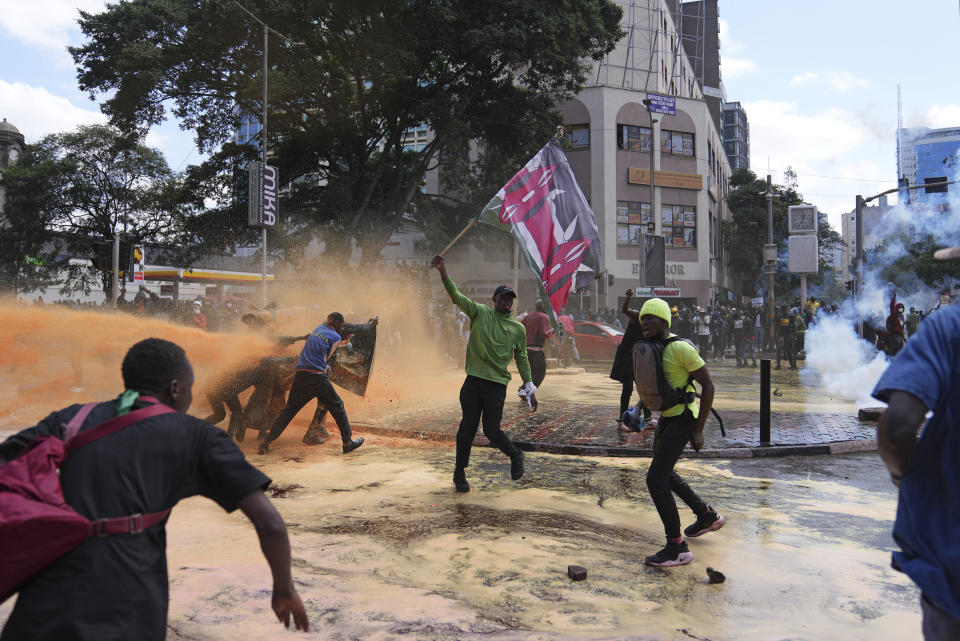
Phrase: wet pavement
[578,412]
[384,549]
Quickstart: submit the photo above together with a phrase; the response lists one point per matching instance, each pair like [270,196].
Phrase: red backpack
[37,526]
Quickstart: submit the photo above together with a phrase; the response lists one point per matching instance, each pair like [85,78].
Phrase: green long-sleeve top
[495,338]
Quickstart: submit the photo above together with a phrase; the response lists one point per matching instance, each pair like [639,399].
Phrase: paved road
[384,549]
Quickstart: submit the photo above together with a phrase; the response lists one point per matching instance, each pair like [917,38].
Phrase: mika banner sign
[264,196]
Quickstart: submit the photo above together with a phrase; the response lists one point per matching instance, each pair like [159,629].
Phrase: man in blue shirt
[925,377]
[311,381]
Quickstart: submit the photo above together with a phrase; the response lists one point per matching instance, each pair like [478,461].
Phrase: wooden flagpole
[459,237]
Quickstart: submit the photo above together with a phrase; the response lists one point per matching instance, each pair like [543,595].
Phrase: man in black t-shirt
[116,587]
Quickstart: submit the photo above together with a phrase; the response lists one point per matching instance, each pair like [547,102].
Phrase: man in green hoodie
[495,339]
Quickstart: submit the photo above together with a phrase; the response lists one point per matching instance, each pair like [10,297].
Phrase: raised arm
[468,306]
[272,532]
[632,314]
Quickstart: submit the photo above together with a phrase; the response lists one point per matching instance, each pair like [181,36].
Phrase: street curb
[571,449]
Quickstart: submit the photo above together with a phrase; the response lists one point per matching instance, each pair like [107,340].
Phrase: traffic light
[610,279]
[849,285]
[103,255]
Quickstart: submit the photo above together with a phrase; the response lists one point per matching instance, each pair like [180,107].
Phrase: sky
[818,81]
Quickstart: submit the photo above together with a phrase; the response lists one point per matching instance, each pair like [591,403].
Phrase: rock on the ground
[577,572]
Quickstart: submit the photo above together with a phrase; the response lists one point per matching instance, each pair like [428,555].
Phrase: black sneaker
[671,555]
[516,465]
[352,445]
[709,521]
[460,480]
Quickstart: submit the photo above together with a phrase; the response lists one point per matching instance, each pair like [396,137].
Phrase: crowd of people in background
[204,313]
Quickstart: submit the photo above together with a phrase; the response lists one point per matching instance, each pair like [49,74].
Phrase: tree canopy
[347,83]
[745,234]
[904,258]
[72,192]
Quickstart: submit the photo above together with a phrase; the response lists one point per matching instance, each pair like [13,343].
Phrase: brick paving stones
[590,429]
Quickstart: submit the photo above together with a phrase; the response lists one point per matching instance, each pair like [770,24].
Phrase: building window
[679,225]
[578,136]
[632,221]
[633,138]
[414,138]
[676,143]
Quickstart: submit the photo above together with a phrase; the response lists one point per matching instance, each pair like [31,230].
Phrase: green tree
[746,232]
[902,259]
[353,79]
[71,193]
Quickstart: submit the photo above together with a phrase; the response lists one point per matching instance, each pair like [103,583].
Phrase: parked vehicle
[596,341]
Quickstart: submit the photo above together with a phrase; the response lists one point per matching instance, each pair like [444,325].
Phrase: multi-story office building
[872,234]
[612,142]
[928,155]
[736,135]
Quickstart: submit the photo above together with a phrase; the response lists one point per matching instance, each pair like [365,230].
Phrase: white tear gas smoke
[847,366]
[935,219]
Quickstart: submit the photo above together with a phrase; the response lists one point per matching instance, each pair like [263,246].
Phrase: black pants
[480,398]
[937,624]
[786,351]
[673,434]
[219,413]
[306,387]
[538,366]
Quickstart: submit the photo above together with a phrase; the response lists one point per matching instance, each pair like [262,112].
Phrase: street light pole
[643,233]
[771,272]
[263,159]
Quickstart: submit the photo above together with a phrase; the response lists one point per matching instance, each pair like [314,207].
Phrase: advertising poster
[622,211]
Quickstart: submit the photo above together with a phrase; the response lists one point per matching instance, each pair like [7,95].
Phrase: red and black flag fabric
[549,217]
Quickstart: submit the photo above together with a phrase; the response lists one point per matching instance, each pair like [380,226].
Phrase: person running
[312,381]
[537,326]
[495,339]
[622,369]
[116,587]
[678,426]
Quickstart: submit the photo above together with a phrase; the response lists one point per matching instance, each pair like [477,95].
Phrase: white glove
[527,393]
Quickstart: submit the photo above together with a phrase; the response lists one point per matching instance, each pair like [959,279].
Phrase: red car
[596,341]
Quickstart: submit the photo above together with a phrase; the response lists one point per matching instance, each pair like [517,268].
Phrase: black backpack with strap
[651,382]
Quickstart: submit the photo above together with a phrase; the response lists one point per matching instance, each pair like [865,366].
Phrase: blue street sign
[662,104]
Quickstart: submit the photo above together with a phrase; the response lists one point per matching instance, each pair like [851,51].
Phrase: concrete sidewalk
[590,430]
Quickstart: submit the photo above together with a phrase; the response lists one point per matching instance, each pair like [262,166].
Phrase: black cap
[504,289]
